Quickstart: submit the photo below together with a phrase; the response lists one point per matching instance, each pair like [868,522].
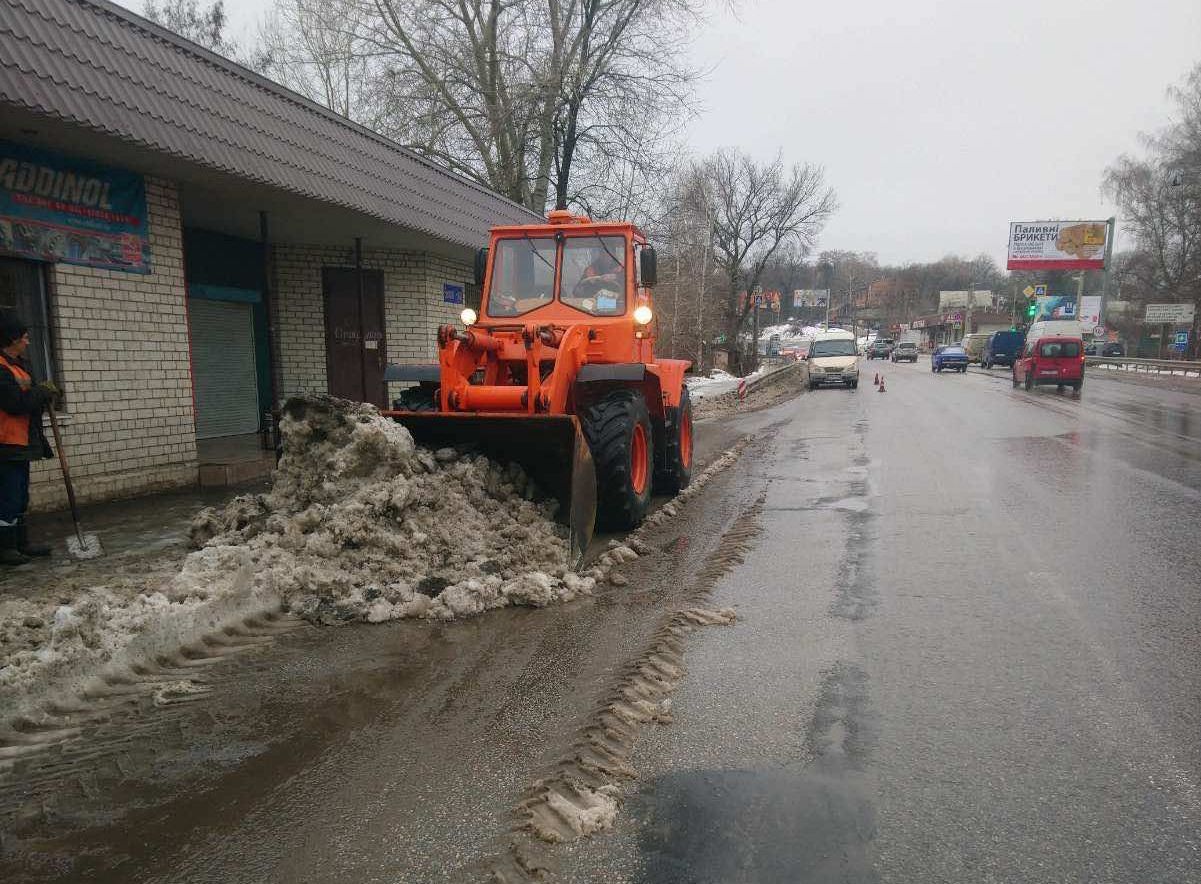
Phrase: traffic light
[1031,308]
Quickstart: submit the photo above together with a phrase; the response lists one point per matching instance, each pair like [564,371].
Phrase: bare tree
[314,47]
[188,18]
[574,101]
[1160,201]
[758,209]
[624,89]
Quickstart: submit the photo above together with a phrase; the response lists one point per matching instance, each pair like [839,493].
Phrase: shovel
[80,546]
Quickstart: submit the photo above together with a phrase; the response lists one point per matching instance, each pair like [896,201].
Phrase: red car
[1054,360]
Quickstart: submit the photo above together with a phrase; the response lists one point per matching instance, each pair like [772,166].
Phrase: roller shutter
[223,369]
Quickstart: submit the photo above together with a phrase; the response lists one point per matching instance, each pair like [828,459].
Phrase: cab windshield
[832,348]
[523,275]
[592,278]
[594,275]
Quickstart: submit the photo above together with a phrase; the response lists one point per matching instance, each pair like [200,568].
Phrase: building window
[23,291]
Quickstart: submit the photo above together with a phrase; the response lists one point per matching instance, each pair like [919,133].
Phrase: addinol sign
[1057,245]
[57,208]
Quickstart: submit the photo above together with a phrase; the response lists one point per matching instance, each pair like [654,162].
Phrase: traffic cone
[881,383]
[877,380]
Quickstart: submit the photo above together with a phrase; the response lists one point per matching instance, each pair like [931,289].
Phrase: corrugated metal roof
[99,66]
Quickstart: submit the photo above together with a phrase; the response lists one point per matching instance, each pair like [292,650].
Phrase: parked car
[1114,350]
[906,351]
[1003,348]
[880,348]
[973,345]
[949,356]
[833,359]
[1091,348]
[1055,360]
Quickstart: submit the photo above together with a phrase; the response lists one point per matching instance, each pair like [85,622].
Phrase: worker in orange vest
[21,439]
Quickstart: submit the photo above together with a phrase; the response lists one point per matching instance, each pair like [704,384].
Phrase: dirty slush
[360,525]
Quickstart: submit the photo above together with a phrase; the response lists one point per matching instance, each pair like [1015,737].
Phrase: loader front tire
[420,398]
[677,449]
[619,435]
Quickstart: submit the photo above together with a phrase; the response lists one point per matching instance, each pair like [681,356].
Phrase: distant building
[948,327]
[982,299]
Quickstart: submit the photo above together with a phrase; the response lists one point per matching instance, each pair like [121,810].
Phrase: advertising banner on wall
[56,208]
[1057,245]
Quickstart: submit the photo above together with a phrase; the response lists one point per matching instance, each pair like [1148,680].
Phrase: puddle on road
[771,826]
[767,827]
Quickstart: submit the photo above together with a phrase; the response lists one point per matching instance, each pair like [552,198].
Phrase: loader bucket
[550,448]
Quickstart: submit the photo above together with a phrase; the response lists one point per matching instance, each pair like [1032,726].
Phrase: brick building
[191,243]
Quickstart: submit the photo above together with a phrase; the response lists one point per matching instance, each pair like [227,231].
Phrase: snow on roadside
[360,525]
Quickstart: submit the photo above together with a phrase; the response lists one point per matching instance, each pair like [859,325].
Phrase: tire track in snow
[119,711]
[581,793]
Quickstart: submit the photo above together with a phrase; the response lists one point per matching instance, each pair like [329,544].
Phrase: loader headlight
[642,314]
[468,316]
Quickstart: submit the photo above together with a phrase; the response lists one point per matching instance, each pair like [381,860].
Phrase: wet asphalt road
[968,649]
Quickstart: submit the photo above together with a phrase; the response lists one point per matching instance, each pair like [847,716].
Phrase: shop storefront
[190,244]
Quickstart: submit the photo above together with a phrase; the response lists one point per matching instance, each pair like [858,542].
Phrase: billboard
[1090,312]
[1181,314]
[1057,245]
[57,208]
[1055,307]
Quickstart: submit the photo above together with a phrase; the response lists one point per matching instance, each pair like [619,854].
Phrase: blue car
[951,357]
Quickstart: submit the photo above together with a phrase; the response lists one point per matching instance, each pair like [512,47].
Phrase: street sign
[1174,313]
[1040,291]
[1099,331]
[1028,291]
[1181,342]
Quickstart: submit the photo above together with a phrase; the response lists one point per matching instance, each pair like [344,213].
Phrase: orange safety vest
[14,428]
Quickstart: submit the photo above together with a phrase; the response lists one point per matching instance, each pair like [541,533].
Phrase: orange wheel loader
[557,372]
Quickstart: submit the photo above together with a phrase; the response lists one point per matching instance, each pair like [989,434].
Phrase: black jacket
[32,402]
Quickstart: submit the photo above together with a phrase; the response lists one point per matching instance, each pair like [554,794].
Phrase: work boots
[9,554]
[24,547]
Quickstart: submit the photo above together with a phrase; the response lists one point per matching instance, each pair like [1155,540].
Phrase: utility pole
[675,302]
[700,301]
[971,302]
[1110,229]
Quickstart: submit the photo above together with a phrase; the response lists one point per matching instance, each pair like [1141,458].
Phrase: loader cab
[568,270]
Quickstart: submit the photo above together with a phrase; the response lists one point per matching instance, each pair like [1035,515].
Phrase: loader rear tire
[677,449]
[619,435]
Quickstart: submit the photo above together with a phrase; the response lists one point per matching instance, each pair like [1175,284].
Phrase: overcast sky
[938,121]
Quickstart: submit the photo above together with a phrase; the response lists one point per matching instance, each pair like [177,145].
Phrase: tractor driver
[601,284]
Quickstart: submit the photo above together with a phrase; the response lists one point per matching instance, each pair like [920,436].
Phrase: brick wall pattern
[121,344]
[413,308]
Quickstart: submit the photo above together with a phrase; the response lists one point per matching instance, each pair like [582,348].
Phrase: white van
[1054,328]
[833,359]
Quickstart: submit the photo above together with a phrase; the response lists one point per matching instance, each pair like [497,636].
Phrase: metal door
[355,350]
[223,368]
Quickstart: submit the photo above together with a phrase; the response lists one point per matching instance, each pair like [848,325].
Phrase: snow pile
[581,811]
[361,524]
